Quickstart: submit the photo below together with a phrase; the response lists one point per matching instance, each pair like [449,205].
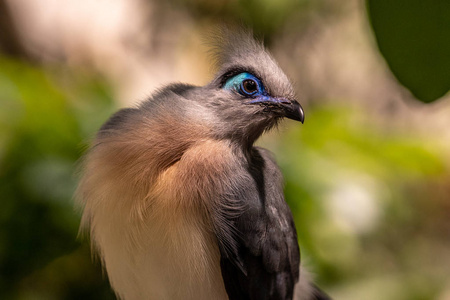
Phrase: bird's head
[250,93]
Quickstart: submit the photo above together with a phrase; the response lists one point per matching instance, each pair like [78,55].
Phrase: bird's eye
[246,84]
[249,86]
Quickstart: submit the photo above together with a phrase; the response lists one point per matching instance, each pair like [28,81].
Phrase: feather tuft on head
[231,44]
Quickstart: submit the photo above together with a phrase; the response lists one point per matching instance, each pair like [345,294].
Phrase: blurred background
[367,175]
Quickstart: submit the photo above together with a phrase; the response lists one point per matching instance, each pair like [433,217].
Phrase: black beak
[289,108]
[293,110]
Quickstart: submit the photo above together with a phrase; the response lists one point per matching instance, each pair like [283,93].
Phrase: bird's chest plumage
[207,225]
[179,260]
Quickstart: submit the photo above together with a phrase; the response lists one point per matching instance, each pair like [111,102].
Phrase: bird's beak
[293,110]
[290,108]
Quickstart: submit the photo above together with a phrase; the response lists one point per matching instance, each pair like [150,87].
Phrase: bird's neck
[245,137]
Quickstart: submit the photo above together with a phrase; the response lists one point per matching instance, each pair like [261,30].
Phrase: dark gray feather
[264,262]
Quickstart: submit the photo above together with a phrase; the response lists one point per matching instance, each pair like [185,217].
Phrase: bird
[178,201]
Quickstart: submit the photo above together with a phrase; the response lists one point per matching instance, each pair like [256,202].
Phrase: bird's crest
[229,45]
[235,50]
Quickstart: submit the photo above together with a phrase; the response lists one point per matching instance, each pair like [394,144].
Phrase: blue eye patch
[245,84]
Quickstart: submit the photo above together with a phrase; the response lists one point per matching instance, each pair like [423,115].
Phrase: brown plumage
[178,202]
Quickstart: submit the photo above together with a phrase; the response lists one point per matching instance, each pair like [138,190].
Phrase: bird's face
[251,91]
[247,101]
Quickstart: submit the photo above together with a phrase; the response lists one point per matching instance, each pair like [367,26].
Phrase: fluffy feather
[178,202]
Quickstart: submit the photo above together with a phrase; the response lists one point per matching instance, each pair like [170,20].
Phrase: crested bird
[177,200]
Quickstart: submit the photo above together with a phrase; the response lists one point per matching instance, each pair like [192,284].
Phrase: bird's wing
[263,262]
[318,294]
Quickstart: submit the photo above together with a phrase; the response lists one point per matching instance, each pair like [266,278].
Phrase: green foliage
[376,173]
[264,17]
[414,38]
[41,138]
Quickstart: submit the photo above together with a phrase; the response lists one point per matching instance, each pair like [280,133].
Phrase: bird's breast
[157,240]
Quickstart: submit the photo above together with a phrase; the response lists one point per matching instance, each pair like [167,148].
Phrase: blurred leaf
[414,38]
[265,17]
[345,149]
[40,141]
